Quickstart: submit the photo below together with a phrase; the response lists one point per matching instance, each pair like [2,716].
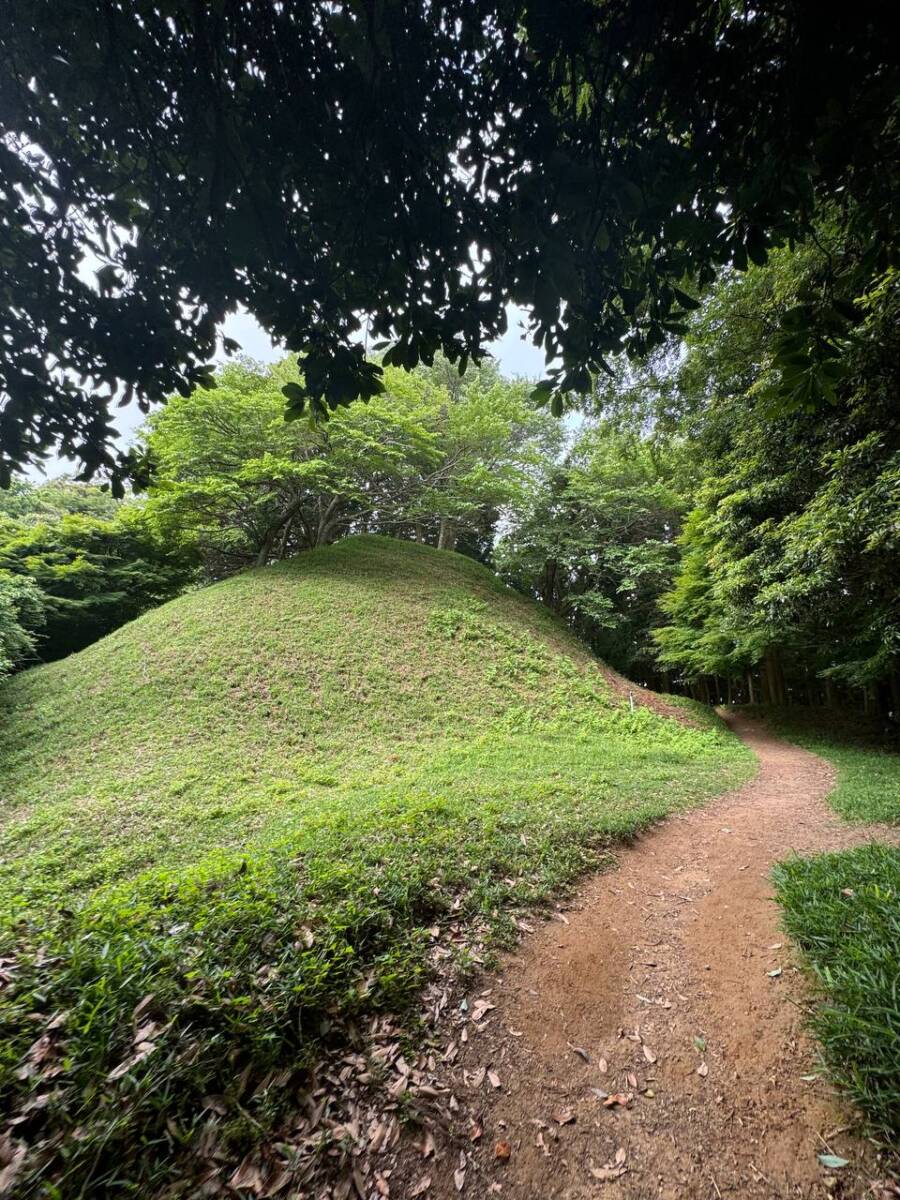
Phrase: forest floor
[650,1042]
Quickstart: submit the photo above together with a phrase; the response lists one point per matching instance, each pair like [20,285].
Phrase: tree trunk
[750,690]
[446,535]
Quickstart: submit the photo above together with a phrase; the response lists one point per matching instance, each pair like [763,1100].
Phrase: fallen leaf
[480,1008]
[605,1174]
[703,1070]
[631,1079]
[648,1054]
[602,1066]
[247,1175]
[427,1146]
[11,1162]
[565,1116]
[502,1151]
[459,1178]
[620,1098]
[621,1155]
[420,1188]
[700,1044]
[776,945]
[475,1132]
[580,1051]
[808,1078]
[494,1079]
[774,974]
[833,1160]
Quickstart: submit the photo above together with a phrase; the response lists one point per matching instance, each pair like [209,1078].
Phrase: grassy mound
[865,756]
[238,824]
[843,910]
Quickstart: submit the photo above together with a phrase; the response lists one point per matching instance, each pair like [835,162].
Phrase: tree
[33,503]
[790,560]
[419,165]
[597,542]
[425,460]
[83,576]
[21,616]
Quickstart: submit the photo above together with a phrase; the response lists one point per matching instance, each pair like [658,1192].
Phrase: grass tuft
[843,911]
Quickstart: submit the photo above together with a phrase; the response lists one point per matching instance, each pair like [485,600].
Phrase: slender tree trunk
[750,690]
[446,535]
[895,695]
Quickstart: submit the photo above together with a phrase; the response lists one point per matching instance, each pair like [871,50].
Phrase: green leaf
[834,1161]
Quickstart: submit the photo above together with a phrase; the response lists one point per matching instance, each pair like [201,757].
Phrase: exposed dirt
[664,973]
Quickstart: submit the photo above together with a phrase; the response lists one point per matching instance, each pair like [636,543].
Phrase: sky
[515,355]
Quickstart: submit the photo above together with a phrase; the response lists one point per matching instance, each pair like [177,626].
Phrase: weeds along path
[669,985]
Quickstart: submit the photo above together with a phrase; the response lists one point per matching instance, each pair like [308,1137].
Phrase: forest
[699,533]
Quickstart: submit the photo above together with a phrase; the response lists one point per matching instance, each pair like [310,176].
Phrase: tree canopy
[74,565]
[790,557]
[407,169]
[436,459]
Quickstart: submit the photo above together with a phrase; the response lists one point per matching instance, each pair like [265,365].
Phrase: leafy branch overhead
[415,167]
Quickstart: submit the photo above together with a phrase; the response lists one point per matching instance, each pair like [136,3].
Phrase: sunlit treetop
[406,168]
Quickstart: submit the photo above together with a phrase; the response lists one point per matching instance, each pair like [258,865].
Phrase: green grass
[253,804]
[866,760]
[843,911]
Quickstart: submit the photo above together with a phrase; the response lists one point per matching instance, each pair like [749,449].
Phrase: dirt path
[660,972]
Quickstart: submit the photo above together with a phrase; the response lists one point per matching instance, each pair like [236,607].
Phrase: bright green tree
[21,616]
[90,575]
[436,458]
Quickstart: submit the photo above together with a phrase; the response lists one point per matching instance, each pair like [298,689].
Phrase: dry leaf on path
[620,1155]
[703,1070]
[580,1051]
[648,1054]
[481,1008]
[502,1151]
[605,1174]
[620,1098]
[602,1066]
[459,1178]
[420,1188]
[564,1116]
[494,1079]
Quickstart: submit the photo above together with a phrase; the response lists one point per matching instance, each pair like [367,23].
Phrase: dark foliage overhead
[423,163]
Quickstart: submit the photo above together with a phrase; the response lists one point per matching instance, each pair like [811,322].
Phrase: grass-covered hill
[254,805]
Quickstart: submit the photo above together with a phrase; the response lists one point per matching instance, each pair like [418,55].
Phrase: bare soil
[668,984]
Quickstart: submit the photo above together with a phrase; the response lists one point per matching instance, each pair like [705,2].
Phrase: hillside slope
[246,816]
[231,714]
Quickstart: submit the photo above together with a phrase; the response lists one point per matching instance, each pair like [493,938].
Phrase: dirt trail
[673,948]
